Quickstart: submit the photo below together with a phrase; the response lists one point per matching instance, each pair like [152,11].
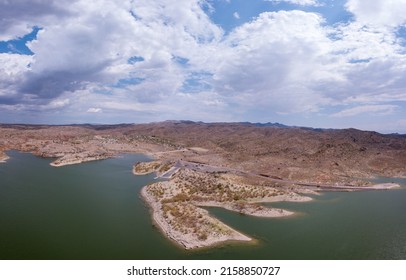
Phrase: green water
[94,211]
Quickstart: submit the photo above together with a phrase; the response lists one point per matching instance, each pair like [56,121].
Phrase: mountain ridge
[292,153]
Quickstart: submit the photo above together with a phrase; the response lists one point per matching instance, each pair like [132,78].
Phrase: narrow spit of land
[177,204]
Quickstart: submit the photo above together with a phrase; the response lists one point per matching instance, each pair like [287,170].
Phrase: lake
[94,211]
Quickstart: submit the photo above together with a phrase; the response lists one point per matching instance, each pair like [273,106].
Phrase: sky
[314,63]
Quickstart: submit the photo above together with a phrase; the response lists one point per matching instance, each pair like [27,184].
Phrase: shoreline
[63,161]
[190,241]
[78,158]
[182,193]
[380,186]
[263,212]
[4,159]
[186,241]
[178,206]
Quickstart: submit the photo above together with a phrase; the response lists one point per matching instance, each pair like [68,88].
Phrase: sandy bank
[4,158]
[253,208]
[383,186]
[74,159]
[249,209]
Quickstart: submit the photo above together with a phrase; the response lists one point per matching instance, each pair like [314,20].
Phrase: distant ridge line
[100,126]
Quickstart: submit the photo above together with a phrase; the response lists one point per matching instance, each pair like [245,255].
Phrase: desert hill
[290,153]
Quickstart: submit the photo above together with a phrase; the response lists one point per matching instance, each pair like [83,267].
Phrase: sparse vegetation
[150,167]
[179,201]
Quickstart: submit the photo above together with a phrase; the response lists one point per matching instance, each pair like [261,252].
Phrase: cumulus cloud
[12,70]
[287,50]
[168,59]
[379,12]
[181,14]
[73,52]
[370,62]
[17,17]
[13,64]
[93,46]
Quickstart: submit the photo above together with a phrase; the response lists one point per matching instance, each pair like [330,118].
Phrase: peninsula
[176,204]
[236,166]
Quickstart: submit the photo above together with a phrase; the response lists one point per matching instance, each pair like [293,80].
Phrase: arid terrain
[300,154]
[236,166]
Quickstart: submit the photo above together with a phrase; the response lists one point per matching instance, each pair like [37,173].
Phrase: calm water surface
[94,211]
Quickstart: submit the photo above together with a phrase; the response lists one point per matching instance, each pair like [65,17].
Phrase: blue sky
[231,14]
[330,64]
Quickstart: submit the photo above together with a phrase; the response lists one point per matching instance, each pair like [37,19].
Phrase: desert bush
[202,236]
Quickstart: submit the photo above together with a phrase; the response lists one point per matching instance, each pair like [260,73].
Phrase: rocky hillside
[289,153]
[308,155]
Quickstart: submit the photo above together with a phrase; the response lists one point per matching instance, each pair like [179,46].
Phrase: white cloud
[12,70]
[19,16]
[236,15]
[271,60]
[94,110]
[94,43]
[89,42]
[185,66]
[371,62]
[358,41]
[184,15]
[13,64]
[57,104]
[367,109]
[379,12]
